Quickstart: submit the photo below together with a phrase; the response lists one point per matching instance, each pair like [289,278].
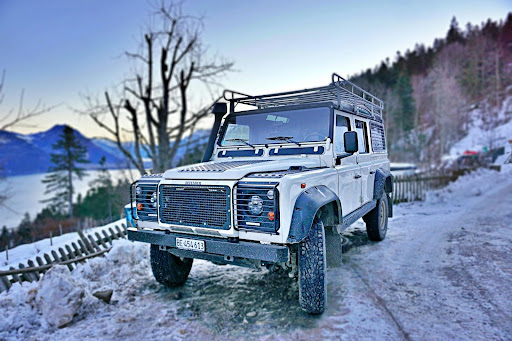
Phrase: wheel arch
[318,200]
[383,184]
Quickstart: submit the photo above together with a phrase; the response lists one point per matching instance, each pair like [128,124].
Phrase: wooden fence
[414,187]
[87,246]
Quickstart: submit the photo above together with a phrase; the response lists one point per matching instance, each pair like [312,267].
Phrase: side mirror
[350,141]
[220,108]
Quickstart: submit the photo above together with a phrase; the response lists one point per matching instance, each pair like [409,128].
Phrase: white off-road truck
[278,183]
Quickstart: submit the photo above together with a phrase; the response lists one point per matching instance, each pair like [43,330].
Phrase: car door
[364,160]
[349,172]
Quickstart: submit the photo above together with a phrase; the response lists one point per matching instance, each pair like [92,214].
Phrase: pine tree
[103,183]
[454,34]
[69,154]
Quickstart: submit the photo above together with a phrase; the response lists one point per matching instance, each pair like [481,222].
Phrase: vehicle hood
[237,169]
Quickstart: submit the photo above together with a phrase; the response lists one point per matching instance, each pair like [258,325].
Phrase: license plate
[190,244]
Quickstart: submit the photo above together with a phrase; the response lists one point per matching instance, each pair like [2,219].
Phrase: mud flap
[334,247]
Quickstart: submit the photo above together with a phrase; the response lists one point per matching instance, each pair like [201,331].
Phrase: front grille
[198,206]
[145,200]
[245,220]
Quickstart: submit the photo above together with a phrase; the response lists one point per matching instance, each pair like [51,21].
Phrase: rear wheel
[377,220]
[168,269]
[312,266]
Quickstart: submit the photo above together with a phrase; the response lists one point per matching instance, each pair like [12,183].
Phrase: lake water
[26,191]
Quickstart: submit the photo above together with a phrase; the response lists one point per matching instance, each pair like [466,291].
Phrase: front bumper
[215,248]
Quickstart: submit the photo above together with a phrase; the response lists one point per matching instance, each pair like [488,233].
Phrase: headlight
[145,198]
[152,200]
[256,205]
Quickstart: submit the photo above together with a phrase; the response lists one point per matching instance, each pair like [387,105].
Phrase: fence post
[51,238]
[7,252]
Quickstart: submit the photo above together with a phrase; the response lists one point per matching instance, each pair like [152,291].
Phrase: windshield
[293,126]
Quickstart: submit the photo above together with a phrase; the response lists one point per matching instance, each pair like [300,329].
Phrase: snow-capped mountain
[30,154]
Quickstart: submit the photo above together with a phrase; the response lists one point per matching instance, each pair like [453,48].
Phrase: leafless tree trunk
[156,98]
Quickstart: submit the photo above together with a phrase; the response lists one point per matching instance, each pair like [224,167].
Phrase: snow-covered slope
[478,137]
[443,273]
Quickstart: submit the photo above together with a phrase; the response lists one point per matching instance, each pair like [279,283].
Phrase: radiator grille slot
[258,223]
[197,206]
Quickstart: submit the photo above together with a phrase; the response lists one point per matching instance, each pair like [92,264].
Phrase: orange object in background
[139,207]
[271,216]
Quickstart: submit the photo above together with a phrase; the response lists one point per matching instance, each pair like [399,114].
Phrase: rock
[251,314]
[104,295]
[178,296]
[59,296]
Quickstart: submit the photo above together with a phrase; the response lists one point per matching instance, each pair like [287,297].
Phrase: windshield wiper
[283,138]
[241,140]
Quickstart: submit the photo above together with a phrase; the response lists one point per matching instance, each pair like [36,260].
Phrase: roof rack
[340,91]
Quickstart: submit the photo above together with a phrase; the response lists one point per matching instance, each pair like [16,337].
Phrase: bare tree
[156,99]
[14,116]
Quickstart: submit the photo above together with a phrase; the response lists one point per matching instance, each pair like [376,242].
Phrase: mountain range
[30,154]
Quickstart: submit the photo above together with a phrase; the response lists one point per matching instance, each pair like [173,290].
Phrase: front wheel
[168,269]
[312,266]
[377,220]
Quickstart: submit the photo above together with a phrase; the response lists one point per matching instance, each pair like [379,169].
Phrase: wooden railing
[414,187]
[87,246]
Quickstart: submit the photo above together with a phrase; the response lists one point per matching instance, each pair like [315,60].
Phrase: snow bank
[61,297]
[473,184]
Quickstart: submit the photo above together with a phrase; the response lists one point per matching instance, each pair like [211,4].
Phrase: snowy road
[444,272]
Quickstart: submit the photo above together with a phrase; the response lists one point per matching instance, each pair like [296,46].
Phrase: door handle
[372,172]
[357,176]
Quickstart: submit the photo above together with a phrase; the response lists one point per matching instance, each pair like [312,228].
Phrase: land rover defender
[282,176]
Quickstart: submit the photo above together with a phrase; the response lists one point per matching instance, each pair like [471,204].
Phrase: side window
[378,138]
[362,137]
[342,126]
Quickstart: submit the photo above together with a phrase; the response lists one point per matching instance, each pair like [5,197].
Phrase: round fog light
[270,194]
[256,205]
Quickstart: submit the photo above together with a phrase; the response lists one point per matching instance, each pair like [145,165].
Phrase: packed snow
[443,273]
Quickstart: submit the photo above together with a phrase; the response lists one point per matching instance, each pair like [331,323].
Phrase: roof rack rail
[340,91]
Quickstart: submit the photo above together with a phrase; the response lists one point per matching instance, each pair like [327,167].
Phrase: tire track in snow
[379,301]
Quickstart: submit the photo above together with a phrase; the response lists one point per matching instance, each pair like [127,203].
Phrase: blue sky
[57,49]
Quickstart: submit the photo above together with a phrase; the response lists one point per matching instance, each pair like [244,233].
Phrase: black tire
[168,269]
[377,220]
[312,266]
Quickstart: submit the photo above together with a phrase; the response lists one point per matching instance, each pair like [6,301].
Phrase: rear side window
[342,126]
[362,137]
[378,137]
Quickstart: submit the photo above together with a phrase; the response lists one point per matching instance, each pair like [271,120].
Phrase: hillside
[35,150]
[434,95]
